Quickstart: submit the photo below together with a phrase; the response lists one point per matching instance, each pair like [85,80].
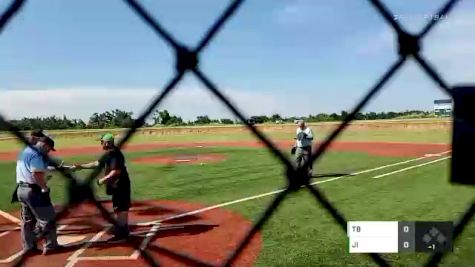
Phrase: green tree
[202,120]
[227,121]
[343,114]
[275,117]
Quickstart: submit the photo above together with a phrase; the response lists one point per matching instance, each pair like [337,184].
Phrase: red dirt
[207,237]
[181,159]
[373,148]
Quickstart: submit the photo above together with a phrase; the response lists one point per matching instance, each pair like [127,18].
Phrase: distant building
[443,107]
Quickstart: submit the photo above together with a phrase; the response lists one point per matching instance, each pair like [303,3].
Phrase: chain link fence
[187,62]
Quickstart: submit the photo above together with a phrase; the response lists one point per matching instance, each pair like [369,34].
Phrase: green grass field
[301,232]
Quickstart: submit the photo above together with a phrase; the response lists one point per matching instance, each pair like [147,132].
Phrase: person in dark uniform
[117,184]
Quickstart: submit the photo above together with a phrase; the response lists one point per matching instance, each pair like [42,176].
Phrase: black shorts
[121,197]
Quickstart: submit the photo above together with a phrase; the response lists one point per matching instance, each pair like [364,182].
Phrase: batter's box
[11,248]
[99,247]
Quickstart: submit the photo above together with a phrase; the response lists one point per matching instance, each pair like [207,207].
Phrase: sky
[292,57]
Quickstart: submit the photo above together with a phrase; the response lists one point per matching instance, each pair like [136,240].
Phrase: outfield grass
[389,135]
[300,233]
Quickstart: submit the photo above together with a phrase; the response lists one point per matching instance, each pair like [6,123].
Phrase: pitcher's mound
[174,159]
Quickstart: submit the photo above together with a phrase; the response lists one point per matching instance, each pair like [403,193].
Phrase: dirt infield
[187,240]
[180,159]
[373,148]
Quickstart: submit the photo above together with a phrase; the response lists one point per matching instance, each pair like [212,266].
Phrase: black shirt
[114,160]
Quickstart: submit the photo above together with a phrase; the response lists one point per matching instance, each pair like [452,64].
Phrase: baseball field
[208,185]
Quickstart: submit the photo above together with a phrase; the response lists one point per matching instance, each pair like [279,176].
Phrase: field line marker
[153,231]
[278,191]
[5,233]
[74,258]
[19,253]
[104,258]
[410,168]
[9,217]
[12,257]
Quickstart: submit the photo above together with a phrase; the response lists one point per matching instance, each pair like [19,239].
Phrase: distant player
[303,145]
[117,184]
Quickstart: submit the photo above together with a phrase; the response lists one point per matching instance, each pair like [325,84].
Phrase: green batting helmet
[107,137]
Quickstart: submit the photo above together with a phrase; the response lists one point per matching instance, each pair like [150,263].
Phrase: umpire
[33,195]
[117,184]
[35,136]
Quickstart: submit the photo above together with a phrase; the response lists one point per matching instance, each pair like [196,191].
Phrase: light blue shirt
[28,162]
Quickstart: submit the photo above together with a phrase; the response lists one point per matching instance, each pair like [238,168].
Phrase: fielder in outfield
[117,184]
[303,145]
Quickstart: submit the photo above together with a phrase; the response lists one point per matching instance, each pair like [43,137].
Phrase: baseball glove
[293,149]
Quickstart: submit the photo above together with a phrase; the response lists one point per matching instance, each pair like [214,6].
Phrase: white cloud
[298,12]
[292,13]
[185,102]
[376,44]
[82,102]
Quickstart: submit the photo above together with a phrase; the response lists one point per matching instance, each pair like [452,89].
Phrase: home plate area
[174,233]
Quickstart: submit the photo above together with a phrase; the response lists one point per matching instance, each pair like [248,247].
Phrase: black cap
[37,133]
[47,140]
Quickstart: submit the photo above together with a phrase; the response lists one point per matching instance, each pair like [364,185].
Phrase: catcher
[303,146]
[117,184]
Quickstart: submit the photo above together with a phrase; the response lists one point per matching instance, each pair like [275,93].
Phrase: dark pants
[302,155]
[36,208]
[121,202]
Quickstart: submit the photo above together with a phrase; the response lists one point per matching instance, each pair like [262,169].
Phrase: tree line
[125,119]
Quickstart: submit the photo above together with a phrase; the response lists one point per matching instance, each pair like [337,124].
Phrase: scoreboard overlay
[399,237]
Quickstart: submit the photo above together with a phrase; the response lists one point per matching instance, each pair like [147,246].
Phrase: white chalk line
[410,168]
[104,258]
[182,160]
[19,253]
[10,217]
[74,258]
[14,220]
[153,231]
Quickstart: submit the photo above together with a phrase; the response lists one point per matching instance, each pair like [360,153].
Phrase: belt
[22,184]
